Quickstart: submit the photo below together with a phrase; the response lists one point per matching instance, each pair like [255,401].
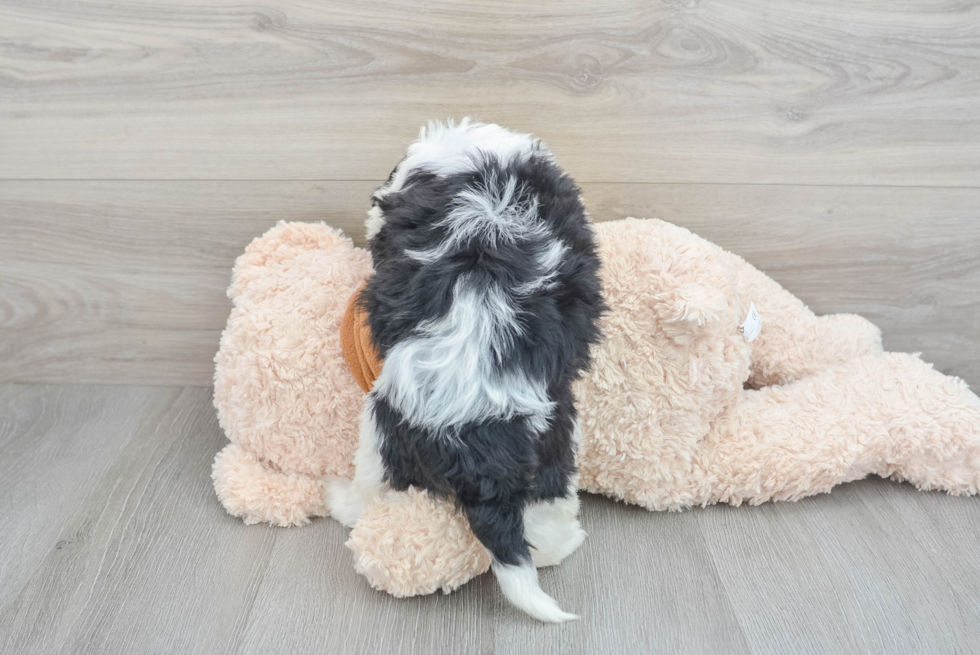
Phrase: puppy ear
[695,304]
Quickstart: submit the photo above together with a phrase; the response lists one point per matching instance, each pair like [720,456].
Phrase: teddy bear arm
[794,342]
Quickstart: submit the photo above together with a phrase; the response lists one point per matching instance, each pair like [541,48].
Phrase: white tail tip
[521,588]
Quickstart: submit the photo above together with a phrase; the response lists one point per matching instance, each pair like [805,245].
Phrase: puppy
[484,304]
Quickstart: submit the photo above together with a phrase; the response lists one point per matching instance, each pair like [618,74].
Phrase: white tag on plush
[752,325]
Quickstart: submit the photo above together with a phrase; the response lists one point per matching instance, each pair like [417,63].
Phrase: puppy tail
[500,527]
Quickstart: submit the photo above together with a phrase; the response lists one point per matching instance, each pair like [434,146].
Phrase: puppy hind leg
[348,499]
[552,526]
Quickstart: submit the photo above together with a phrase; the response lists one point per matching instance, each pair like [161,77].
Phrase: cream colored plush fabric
[678,410]
[284,395]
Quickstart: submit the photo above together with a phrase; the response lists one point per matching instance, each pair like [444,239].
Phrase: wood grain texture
[668,599]
[142,559]
[56,443]
[148,562]
[125,281]
[808,92]
[783,563]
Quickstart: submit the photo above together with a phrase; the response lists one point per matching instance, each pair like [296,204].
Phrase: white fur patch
[448,375]
[552,256]
[552,528]
[521,588]
[375,222]
[348,499]
[548,262]
[449,148]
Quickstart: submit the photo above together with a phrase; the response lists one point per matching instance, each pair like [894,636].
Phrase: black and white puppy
[484,304]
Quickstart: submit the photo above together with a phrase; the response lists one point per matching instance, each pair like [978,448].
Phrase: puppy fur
[484,305]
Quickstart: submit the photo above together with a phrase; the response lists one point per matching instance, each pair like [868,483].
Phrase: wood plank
[643,582]
[57,442]
[311,595]
[712,91]
[124,281]
[149,562]
[639,582]
[144,560]
[948,529]
[841,573]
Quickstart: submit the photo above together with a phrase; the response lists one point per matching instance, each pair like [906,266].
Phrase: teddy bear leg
[891,415]
[935,426]
[250,489]
[794,342]
[348,499]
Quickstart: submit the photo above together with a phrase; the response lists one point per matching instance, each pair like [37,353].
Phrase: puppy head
[445,149]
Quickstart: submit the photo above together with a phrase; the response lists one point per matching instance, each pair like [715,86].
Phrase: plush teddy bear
[712,384]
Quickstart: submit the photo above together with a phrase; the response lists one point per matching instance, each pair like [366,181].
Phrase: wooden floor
[113,542]
[833,143]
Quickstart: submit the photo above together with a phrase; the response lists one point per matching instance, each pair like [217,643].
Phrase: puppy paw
[344,505]
[553,551]
[553,531]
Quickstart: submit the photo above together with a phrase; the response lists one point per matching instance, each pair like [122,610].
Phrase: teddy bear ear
[286,241]
[691,303]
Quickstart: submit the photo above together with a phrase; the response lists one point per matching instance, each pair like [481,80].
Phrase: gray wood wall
[834,144]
